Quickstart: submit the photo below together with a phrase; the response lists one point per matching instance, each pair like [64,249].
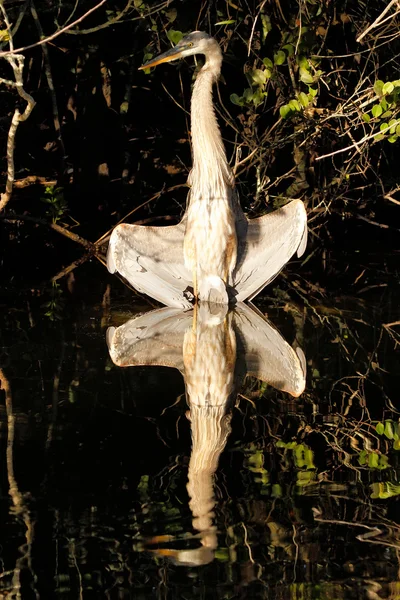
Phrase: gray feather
[266,244]
[154,338]
[267,355]
[157,337]
[151,259]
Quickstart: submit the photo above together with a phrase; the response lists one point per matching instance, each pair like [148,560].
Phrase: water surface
[289,498]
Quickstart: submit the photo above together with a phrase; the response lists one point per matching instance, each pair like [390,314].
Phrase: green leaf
[258,76]
[313,92]
[266,26]
[258,97]
[294,105]
[174,36]
[302,61]
[235,99]
[268,63]
[289,49]
[398,129]
[387,114]
[379,137]
[384,104]
[248,95]
[378,85]
[305,76]
[388,88]
[279,57]
[380,428]
[228,22]
[366,118]
[285,111]
[222,554]
[384,127]
[392,139]
[392,125]
[362,459]
[276,490]
[373,460]
[389,430]
[171,14]
[303,99]
[376,110]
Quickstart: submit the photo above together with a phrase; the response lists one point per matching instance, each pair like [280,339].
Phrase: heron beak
[171,54]
[165,552]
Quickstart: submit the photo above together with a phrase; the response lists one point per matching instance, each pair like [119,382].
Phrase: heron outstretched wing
[151,259]
[266,244]
[155,339]
[267,355]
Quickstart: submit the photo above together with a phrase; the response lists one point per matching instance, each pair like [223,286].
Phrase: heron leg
[194,324]
[195,288]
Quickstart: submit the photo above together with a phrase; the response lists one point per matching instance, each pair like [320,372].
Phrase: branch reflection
[214,349]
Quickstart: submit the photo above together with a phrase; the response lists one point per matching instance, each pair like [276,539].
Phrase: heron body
[210,243]
[215,250]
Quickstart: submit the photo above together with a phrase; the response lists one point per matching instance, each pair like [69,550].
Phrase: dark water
[95,458]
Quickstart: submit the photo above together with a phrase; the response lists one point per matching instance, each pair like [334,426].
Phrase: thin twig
[160,193]
[49,77]
[54,35]
[356,144]
[17,64]
[378,21]
[65,232]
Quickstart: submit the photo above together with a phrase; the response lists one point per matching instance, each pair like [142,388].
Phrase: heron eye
[190,45]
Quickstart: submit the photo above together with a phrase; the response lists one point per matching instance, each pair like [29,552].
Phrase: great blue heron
[214,250]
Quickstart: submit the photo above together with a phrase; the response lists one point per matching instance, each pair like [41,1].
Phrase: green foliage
[279,58]
[384,490]
[271,70]
[174,36]
[55,306]
[255,94]
[57,205]
[373,460]
[390,430]
[297,106]
[302,454]
[387,108]
[227,22]
[255,463]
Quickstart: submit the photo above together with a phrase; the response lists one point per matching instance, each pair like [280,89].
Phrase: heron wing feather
[267,355]
[155,338]
[266,244]
[151,259]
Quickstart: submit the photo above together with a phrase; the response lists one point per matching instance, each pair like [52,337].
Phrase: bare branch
[379,20]
[54,35]
[357,144]
[17,64]
[49,77]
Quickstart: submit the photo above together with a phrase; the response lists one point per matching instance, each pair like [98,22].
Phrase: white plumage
[215,254]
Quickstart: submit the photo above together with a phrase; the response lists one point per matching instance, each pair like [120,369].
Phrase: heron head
[197,42]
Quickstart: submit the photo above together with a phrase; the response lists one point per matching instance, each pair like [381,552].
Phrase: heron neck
[209,158]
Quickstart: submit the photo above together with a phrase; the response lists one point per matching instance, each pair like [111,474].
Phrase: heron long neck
[209,159]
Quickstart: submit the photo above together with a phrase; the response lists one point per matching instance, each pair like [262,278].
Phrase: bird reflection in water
[214,349]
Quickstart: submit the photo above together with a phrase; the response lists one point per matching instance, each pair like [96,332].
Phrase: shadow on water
[139,482]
